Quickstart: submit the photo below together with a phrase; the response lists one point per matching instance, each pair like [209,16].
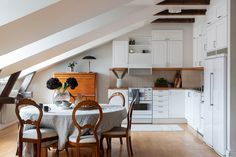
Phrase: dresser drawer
[160,108]
[160,114]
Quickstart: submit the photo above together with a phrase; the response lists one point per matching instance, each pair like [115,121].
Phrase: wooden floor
[145,144]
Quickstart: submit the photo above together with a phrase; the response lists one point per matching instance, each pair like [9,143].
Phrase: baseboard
[169,121]
[4,126]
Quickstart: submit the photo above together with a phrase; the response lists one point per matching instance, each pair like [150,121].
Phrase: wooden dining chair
[35,135]
[117,94]
[81,140]
[121,132]
[121,96]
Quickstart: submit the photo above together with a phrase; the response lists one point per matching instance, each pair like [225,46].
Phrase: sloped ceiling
[66,28]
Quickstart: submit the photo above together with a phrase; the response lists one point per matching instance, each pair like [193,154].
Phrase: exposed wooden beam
[174,20]
[7,100]
[184,2]
[9,86]
[183,12]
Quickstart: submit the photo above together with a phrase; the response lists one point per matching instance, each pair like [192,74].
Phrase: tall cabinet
[167,48]
[215,103]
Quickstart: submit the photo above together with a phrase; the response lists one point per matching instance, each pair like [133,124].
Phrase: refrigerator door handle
[211,88]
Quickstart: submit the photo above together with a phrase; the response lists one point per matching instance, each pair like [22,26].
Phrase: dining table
[60,119]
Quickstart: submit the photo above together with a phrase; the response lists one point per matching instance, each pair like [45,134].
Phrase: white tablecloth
[61,120]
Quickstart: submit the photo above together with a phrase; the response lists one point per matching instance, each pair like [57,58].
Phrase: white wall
[101,65]
[188,37]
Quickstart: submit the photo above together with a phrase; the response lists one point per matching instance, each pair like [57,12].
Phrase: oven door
[143,108]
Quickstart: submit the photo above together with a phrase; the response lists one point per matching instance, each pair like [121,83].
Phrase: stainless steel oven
[142,112]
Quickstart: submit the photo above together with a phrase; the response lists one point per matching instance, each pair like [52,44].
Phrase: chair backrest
[28,121]
[117,94]
[87,105]
[130,113]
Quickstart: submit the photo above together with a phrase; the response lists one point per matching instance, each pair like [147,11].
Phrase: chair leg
[67,152]
[35,150]
[39,150]
[101,145]
[108,143]
[130,144]
[20,149]
[121,141]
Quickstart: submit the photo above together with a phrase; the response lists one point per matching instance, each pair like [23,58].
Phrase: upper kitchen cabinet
[167,35]
[217,26]
[199,42]
[167,48]
[120,54]
[175,54]
[159,53]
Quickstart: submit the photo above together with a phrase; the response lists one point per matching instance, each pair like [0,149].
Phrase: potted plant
[72,65]
[161,82]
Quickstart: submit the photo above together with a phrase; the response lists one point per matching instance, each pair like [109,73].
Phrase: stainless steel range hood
[142,70]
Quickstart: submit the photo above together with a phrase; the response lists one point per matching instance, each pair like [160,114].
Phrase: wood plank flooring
[185,143]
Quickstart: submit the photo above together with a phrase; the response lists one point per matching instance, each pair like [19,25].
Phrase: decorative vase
[119,83]
[61,98]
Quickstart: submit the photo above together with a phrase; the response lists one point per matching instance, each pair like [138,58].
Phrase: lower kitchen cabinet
[176,103]
[117,100]
[193,108]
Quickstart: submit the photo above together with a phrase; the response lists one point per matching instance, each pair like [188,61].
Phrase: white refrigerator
[215,74]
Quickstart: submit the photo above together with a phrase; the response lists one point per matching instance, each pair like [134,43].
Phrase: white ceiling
[35,40]
[11,10]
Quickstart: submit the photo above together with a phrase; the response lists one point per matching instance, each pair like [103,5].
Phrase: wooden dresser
[86,83]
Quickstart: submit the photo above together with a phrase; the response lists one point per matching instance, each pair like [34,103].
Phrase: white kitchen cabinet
[221,33]
[199,42]
[160,104]
[189,107]
[217,26]
[159,53]
[167,35]
[120,54]
[118,100]
[211,38]
[175,54]
[167,53]
[176,103]
[196,110]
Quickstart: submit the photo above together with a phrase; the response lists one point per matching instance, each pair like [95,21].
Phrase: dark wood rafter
[10,84]
[184,2]
[183,12]
[174,20]
[7,89]
[25,84]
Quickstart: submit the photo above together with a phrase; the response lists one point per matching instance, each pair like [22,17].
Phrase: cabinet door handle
[205,47]
[219,16]
[160,106]
[214,44]
[160,111]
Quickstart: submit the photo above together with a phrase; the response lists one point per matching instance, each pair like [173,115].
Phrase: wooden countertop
[118,88]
